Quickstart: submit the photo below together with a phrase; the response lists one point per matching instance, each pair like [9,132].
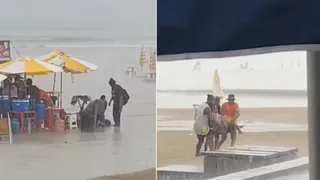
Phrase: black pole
[313,80]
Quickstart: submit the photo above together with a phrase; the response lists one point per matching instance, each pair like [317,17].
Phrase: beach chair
[196,109]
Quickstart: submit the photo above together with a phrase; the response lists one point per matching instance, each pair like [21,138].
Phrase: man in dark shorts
[117,98]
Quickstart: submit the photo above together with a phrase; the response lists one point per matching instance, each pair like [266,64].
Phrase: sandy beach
[177,147]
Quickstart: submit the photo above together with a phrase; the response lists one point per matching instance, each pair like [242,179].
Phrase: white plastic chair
[196,110]
[72,121]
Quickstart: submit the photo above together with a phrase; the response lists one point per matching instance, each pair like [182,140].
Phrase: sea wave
[38,41]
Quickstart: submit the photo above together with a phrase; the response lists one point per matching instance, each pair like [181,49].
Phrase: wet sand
[80,156]
[177,147]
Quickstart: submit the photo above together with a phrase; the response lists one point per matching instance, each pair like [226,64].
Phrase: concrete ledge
[271,171]
[180,172]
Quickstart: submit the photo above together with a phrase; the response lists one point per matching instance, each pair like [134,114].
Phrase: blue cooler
[40,111]
[20,105]
[15,126]
[5,104]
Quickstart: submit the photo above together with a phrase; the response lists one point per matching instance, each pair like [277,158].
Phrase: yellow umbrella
[28,66]
[68,63]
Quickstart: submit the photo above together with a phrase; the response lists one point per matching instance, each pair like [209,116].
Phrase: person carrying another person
[231,112]
[9,89]
[120,97]
[203,123]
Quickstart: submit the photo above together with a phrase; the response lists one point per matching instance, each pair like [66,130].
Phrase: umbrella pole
[60,90]
[54,82]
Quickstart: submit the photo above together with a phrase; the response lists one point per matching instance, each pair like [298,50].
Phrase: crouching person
[92,113]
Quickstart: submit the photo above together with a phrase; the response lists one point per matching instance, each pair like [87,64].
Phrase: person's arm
[111,99]
[207,111]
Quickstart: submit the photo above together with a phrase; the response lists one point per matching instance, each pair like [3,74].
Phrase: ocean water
[271,80]
[108,33]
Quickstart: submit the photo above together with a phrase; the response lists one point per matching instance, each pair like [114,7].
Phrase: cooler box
[15,126]
[5,104]
[40,111]
[21,105]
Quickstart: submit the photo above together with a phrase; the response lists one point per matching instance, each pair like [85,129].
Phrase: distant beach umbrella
[143,58]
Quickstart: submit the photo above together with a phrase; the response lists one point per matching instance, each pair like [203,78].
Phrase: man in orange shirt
[230,111]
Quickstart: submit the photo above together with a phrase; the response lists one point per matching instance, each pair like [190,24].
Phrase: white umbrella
[2,77]
[217,90]
[28,66]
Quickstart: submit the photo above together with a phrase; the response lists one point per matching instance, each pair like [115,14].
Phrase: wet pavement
[304,175]
[76,156]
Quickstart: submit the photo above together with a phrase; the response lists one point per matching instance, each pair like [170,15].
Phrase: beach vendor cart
[24,110]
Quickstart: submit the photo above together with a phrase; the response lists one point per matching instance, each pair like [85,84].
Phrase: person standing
[32,90]
[203,123]
[21,86]
[231,112]
[120,97]
[217,101]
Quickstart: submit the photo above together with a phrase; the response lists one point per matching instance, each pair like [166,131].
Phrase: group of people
[213,120]
[93,114]
[15,87]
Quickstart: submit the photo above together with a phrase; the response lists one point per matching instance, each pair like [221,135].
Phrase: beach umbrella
[68,63]
[217,90]
[28,66]
[188,29]
[143,58]
[2,77]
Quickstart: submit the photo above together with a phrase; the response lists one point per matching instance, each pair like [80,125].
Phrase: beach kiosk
[25,112]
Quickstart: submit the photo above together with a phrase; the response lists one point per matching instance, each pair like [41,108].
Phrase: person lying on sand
[202,124]
[230,111]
